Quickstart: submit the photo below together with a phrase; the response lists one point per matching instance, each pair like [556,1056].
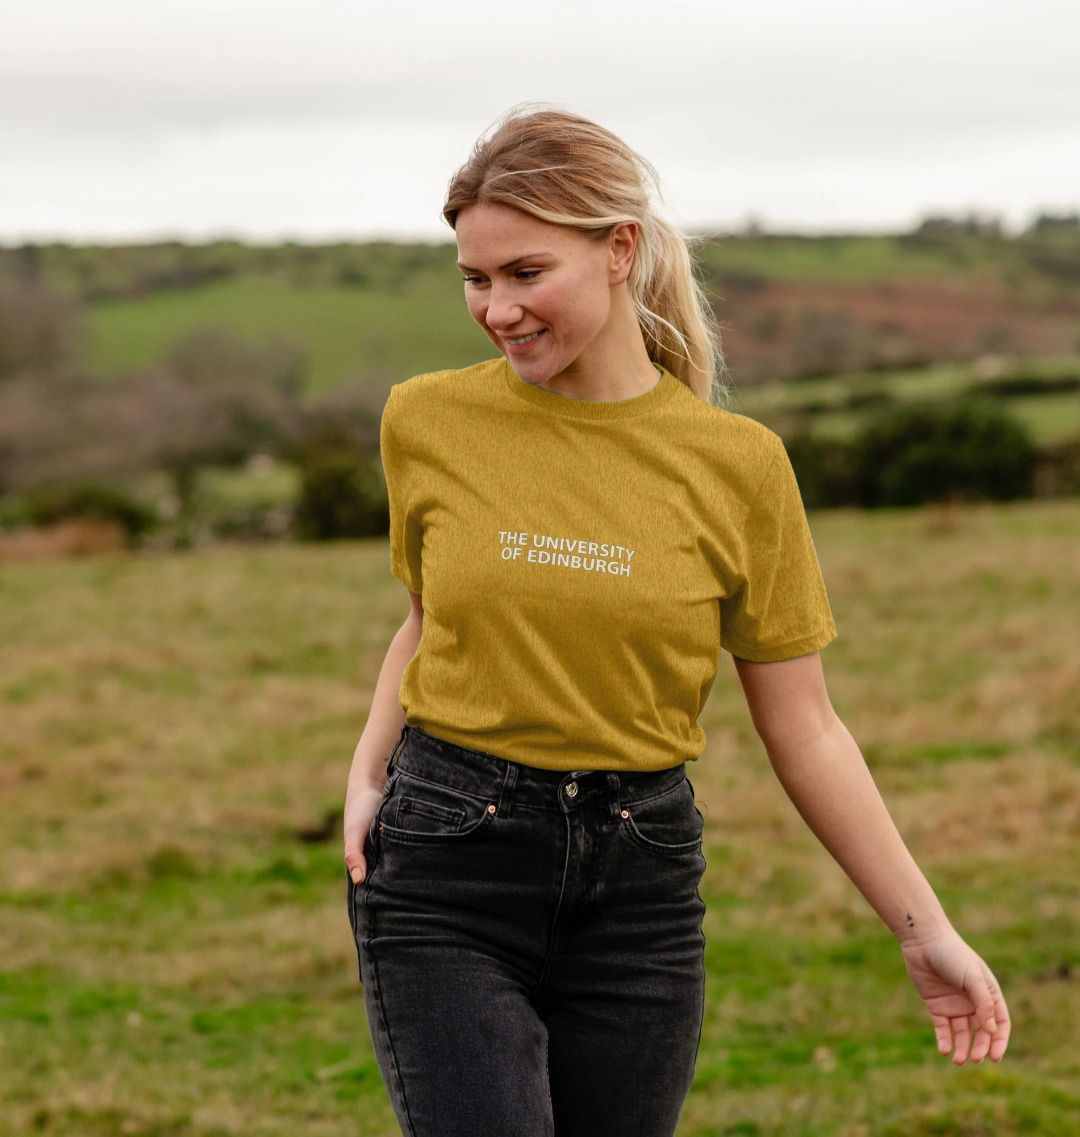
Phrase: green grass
[407,315]
[176,955]
[1051,418]
[344,331]
[860,259]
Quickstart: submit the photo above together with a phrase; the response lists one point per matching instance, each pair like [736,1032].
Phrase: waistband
[503,781]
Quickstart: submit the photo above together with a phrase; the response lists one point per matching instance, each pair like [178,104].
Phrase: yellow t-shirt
[582,564]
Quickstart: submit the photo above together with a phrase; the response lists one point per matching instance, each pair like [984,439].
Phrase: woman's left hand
[965,1002]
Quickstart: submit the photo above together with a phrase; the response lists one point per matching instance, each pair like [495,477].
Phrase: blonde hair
[565,169]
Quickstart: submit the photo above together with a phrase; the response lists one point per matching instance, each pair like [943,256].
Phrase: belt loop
[613,794]
[397,747]
[506,791]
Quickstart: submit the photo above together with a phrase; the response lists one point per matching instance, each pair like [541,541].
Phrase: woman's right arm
[382,729]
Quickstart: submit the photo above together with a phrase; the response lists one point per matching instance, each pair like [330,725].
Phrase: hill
[792,306]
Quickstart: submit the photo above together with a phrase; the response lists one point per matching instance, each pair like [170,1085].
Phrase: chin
[523,371]
[532,371]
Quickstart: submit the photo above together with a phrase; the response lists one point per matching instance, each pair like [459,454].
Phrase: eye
[473,279]
[527,273]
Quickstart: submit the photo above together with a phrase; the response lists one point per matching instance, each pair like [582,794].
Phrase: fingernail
[357,876]
[991,1025]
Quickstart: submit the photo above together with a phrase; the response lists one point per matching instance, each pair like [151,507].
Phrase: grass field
[174,942]
[419,325]
[409,316]
[856,259]
[380,334]
[401,312]
[825,404]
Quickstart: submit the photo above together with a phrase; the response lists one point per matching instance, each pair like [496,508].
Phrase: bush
[250,522]
[824,469]
[955,448]
[39,327]
[101,502]
[342,493]
[1057,470]
[1021,384]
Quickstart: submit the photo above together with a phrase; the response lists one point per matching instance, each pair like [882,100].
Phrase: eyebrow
[509,264]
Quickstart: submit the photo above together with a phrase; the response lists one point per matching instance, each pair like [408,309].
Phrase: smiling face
[542,293]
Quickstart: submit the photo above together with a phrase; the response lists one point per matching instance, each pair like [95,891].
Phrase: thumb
[357,866]
[979,990]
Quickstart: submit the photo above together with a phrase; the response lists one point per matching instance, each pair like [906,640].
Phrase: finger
[1000,1041]
[980,1046]
[355,863]
[943,1033]
[961,1029]
[992,1036]
[978,989]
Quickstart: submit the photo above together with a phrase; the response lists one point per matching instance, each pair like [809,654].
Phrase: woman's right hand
[962,996]
[361,805]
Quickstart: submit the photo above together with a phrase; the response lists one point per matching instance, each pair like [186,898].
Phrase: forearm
[830,785]
[386,718]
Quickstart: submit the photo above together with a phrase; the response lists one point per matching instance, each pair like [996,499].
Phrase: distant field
[344,331]
[176,954]
[379,313]
[352,332]
[827,403]
[853,259]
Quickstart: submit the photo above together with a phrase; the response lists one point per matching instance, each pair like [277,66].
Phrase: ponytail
[676,318]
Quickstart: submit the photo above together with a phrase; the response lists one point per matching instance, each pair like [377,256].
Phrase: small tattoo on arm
[910,920]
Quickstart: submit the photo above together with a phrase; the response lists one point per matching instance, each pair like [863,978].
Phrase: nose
[503,311]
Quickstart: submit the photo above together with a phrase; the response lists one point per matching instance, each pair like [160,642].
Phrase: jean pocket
[421,812]
[669,825]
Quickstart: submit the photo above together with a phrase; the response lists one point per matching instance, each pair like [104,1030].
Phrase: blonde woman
[582,528]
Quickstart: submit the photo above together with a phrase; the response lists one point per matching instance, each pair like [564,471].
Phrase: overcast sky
[317,119]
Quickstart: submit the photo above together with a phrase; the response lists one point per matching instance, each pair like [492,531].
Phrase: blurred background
[220,245]
[220,240]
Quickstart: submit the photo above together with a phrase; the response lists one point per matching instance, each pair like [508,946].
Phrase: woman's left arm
[823,772]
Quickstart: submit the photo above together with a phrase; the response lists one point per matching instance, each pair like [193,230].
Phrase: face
[542,293]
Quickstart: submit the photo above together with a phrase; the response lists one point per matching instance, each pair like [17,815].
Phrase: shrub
[824,469]
[69,428]
[828,343]
[1057,470]
[955,448]
[342,493]
[89,500]
[39,327]
[1024,384]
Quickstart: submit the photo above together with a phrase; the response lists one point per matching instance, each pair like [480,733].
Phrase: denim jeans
[530,945]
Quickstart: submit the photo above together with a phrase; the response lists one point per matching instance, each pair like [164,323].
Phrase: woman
[581,529]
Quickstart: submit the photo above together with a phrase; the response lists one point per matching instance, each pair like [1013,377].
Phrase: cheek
[477,307]
[592,308]
[588,298]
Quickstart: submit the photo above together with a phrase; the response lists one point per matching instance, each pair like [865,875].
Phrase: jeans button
[571,789]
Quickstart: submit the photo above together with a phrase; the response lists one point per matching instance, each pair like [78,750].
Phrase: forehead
[489,231]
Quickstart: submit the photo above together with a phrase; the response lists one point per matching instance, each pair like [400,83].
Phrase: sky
[268,120]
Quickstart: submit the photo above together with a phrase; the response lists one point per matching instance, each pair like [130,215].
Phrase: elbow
[789,704]
[803,735]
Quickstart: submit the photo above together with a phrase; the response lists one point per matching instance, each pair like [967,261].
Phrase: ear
[622,244]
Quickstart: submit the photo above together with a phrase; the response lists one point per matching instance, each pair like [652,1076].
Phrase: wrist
[915,928]
[364,781]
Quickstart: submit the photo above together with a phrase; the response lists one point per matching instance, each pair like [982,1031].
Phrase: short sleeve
[406,534]
[777,607]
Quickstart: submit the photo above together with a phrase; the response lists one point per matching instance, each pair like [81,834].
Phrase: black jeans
[530,945]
